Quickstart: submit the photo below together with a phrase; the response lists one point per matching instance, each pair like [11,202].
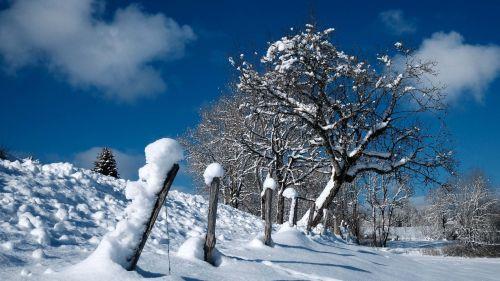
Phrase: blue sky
[60,97]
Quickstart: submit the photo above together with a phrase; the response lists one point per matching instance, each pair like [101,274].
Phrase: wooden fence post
[268,228]
[336,229]
[160,199]
[212,218]
[293,211]
[325,221]
[263,207]
[311,216]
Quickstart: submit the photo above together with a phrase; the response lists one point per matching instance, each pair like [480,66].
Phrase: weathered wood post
[268,228]
[160,199]
[311,216]
[336,229]
[269,185]
[293,209]
[212,217]
[263,207]
[325,221]
[212,175]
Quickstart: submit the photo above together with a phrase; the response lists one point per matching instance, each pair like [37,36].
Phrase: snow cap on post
[212,171]
[268,183]
[161,155]
[290,193]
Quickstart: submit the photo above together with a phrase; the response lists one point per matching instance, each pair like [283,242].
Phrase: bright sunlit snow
[32,194]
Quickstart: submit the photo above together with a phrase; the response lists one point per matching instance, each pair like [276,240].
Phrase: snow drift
[53,216]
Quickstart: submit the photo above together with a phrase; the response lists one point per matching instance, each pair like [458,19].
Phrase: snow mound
[54,205]
[192,249]
[31,194]
[212,171]
[291,236]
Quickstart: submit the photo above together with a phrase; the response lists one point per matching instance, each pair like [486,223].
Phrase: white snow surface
[212,171]
[40,242]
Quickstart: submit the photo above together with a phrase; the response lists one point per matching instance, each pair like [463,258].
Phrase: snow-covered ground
[53,216]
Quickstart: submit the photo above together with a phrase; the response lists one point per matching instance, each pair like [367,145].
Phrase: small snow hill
[53,216]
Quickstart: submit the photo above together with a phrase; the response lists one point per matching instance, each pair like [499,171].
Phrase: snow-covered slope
[53,216]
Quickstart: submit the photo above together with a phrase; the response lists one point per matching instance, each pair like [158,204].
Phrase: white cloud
[127,164]
[462,68]
[395,21]
[71,38]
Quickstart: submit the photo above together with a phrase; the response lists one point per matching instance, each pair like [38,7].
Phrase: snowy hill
[53,216]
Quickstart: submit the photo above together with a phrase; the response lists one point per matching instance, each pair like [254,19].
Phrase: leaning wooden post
[269,185]
[160,199]
[212,176]
[311,216]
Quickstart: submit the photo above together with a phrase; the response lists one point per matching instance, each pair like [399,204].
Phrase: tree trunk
[374,224]
[330,194]
[160,200]
[212,217]
[269,226]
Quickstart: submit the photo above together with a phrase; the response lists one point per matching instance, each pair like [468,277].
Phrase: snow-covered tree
[215,140]
[364,118]
[278,142]
[250,144]
[464,210]
[384,194]
[106,163]
[438,213]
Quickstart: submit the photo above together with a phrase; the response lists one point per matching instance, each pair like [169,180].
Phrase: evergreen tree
[105,163]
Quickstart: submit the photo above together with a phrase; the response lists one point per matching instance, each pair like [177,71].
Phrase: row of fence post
[210,240]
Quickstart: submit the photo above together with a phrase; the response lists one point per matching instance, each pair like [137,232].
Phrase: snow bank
[292,236]
[29,187]
[119,244]
[212,171]
[32,193]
